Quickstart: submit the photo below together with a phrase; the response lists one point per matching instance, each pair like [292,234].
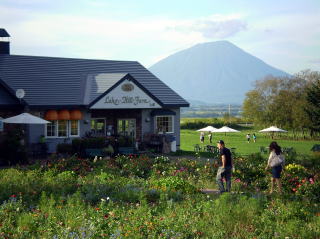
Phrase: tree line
[291,102]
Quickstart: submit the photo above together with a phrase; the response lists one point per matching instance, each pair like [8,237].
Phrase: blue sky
[283,33]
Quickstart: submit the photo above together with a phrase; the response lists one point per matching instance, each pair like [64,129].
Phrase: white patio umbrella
[273,129]
[226,129]
[207,129]
[25,118]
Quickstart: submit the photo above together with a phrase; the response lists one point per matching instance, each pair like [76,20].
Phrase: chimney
[4,42]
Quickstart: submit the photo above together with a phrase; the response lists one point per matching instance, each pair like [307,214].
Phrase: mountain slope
[214,72]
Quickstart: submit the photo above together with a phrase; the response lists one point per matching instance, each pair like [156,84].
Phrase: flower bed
[142,197]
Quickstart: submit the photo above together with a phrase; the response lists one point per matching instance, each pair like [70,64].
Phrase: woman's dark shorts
[276,171]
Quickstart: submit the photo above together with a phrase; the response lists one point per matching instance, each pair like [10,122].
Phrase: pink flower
[237,180]
[311,180]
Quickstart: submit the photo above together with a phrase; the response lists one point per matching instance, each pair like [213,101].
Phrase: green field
[238,140]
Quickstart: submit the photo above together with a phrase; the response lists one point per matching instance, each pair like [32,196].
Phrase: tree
[313,107]
[254,107]
[274,101]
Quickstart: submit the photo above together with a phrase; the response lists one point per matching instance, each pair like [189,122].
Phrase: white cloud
[288,41]
[281,40]
[213,27]
[103,37]
[315,61]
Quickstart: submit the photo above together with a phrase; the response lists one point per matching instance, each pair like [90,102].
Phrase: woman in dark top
[275,164]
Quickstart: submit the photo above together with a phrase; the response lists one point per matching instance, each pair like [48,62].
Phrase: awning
[64,115]
[51,115]
[162,112]
[75,115]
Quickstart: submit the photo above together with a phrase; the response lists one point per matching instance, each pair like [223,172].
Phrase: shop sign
[126,96]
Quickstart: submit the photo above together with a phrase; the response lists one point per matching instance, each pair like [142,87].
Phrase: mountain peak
[215,72]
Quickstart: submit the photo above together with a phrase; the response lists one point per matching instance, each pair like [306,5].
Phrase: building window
[127,127]
[164,124]
[98,127]
[62,128]
[51,129]
[74,128]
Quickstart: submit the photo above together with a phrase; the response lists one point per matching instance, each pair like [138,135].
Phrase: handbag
[276,161]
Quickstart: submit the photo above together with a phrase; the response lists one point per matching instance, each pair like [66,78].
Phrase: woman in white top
[276,163]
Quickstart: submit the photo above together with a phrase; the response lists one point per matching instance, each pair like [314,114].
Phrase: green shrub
[64,149]
[250,170]
[309,190]
[296,170]
[12,152]
[80,144]
[173,183]
[78,165]
[57,201]
[125,141]
[139,166]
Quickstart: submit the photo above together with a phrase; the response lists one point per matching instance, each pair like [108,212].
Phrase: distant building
[81,96]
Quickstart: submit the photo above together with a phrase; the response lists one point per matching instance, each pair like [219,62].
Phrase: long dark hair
[274,146]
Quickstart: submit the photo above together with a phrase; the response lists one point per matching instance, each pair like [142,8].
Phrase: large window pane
[74,127]
[164,124]
[62,128]
[51,129]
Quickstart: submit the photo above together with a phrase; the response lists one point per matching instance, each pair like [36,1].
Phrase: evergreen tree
[313,105]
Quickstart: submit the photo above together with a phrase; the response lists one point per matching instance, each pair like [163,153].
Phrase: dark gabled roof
[62,81]
[8,96]
[4,33]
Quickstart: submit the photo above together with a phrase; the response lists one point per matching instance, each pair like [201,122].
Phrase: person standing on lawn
[276,163]
[210,137]
[225,167]
[202,137]
[248,138]
[254,137]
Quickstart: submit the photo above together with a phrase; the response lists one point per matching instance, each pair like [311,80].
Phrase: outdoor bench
[126,150]
[316,148]
[92,152]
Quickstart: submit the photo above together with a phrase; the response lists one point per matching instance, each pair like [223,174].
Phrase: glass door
[127,127]
[98,127]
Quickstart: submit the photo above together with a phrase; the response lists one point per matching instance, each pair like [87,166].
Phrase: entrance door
[98,127]
[127,127]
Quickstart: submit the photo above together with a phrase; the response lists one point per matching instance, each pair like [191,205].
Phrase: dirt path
[210,191]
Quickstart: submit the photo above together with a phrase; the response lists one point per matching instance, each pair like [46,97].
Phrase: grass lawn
[238,140]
